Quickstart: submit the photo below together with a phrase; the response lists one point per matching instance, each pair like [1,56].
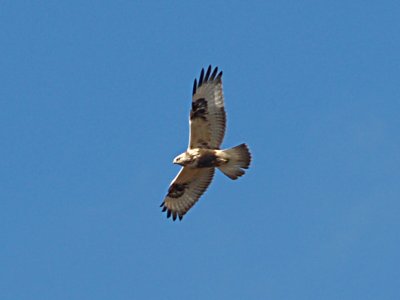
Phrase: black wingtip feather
[201,77]
[214,73]
[194,86]
[205,77]
[168,213]
[162,204]
[208,73]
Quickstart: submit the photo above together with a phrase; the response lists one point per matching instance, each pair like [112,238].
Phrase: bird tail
[238,158]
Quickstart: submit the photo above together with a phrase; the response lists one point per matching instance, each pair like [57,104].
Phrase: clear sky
[94,105]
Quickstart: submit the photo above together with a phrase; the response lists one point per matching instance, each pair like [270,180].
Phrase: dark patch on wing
[199,109]
[203,144]
[207,161]
[176,190]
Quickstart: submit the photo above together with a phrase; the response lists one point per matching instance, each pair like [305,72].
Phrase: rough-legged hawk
[207,129]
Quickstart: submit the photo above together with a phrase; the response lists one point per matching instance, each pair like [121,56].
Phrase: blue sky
[94,104]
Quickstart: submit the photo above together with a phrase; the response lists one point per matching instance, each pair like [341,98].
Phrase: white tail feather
[239,158]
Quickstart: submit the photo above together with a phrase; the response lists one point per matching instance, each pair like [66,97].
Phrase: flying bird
[207,129]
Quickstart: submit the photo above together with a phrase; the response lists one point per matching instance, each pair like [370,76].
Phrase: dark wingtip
[201,77]
[208,73]
[162,204]
[206,77]
[214,73]
[180,217]
[194,86]
[168,213]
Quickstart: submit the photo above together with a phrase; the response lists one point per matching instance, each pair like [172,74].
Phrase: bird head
[182,159]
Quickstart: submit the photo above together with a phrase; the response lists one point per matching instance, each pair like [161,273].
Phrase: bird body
[201,158]
[207,130]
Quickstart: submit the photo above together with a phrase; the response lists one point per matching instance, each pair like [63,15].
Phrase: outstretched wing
[185,190]
[207,116]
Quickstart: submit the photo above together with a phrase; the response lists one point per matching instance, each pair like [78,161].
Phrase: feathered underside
[207,115]
[207,130]
[185,190]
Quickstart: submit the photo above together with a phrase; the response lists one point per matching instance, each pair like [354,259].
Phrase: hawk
[207,130]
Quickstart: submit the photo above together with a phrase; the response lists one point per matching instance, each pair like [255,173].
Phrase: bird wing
[185,190]
[207,116]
